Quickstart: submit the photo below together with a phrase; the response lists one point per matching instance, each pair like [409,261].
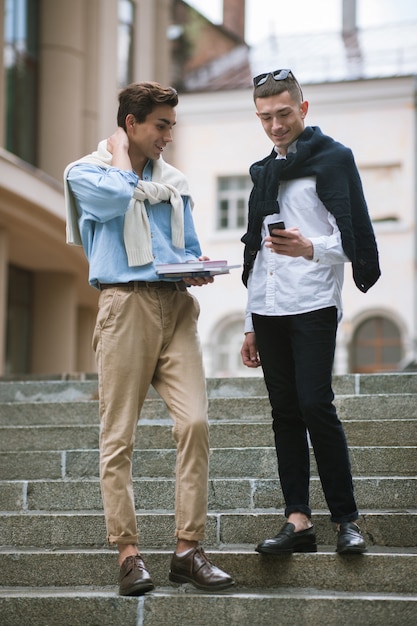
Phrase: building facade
[64,62]
[378,329]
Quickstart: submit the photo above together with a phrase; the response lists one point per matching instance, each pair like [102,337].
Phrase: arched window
[376,346]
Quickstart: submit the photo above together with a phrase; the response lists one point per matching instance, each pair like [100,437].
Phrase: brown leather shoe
[134,578]
[194,567]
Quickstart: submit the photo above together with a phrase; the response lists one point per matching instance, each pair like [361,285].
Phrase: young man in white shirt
[294,275]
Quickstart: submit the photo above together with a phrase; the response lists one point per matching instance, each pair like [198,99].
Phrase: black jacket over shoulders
[339,188]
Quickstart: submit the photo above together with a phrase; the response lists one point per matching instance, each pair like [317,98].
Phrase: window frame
[376,342]
[232,201]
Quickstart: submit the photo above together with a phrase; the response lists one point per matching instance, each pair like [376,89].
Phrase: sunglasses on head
[276,75]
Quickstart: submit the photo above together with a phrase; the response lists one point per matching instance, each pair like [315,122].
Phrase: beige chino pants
[149,337]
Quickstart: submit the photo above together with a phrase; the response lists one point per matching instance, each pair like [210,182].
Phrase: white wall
[219,134]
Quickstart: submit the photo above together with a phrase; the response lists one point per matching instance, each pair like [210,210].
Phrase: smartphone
[280,225]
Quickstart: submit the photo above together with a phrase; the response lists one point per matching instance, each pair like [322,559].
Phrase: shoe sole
[312,547]
[352,551]
[182,580]
[138,590]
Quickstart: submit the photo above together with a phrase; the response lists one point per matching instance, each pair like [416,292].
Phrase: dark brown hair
[140,99]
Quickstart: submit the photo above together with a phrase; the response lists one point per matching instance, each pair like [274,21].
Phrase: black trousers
[297,353]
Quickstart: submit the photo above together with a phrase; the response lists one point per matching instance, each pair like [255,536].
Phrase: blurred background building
[64,62]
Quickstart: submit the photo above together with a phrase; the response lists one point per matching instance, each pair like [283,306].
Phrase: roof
[381,52]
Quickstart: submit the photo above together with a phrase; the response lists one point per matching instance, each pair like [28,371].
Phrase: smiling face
[282,118]
[148,139]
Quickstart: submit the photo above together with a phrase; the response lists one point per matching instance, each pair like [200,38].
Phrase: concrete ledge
[255,408]
[167,605]
[364,573]
[86,529]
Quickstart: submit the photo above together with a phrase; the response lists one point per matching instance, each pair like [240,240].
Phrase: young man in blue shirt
[131,210]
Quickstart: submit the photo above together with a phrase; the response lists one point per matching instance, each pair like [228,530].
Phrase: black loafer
[350,540]
[288,541]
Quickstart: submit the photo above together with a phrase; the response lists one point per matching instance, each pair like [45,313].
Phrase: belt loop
[135,286]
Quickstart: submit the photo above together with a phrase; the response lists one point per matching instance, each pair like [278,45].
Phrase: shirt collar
[291,148]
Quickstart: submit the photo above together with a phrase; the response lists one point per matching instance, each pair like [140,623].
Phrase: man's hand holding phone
[292,243]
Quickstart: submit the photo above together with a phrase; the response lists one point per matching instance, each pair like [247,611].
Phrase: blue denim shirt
[102,197]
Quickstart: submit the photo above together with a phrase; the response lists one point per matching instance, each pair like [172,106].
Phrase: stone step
[53,532]
[365,407]
[55,567]
[329,571]
[86,528]
[158,434]
[85,388]
[377,492]
[92,606]
[259,462]
[224,493]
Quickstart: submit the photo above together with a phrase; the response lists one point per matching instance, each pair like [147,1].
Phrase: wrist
[309,255]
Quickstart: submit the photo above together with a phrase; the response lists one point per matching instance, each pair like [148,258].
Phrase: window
[383,183]
[126,11]
[19,317]
[21,60]
[232,194]
[376,346]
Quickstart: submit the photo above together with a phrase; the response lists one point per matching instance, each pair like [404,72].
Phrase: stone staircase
[56,569]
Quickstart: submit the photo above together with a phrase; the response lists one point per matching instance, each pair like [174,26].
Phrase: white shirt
[283,285]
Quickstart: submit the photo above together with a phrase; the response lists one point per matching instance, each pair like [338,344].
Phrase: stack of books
[193,269]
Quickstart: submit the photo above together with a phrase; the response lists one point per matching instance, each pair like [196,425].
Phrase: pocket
[196,305]
[300,194]
[108,305]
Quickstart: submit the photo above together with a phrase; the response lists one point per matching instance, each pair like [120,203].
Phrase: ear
[304,108]
[130,121]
